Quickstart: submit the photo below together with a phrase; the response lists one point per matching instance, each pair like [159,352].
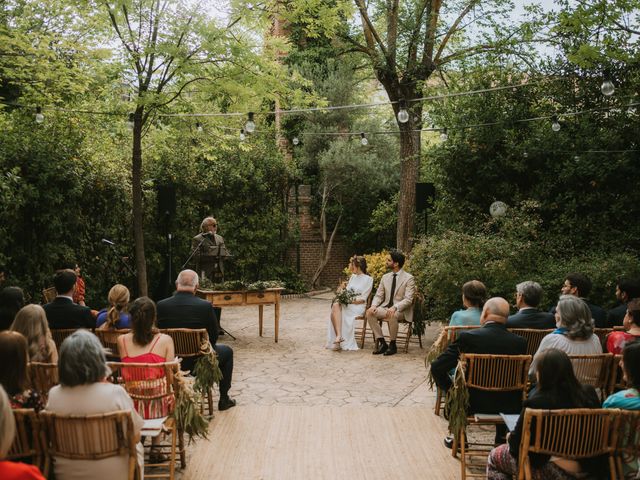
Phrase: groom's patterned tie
[393,290]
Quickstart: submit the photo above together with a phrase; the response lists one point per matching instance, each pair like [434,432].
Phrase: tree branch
[453,29]
[368,27]
[430,33]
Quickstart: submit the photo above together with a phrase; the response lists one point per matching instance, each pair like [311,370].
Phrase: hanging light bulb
[525,154]
[39,115]
[403,115]
[363,140]
[576,158]
[555,123]
[295,140]
[607,88]
[199,127]
[444,136]
[131,122]
[242,135]
[250,126]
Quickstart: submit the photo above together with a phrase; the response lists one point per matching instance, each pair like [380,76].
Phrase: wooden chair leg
[364,331]
[463,459]
[436,410]
[183,457]
[172,460]
[210,401]
[409,332]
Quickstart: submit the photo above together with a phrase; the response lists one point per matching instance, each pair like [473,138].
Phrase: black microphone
[207,234]
[108,242]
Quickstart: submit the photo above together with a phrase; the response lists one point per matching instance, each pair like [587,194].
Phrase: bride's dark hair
[359,261]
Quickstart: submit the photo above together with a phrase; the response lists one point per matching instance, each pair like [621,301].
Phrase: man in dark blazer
[528,297]
[626,289]
[185,310]
[579,285]
[62,312]
[492,338]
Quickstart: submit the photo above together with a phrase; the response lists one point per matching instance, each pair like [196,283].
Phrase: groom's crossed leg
[392,320]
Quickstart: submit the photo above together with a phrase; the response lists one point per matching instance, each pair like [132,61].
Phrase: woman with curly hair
[574,334]
[31,321]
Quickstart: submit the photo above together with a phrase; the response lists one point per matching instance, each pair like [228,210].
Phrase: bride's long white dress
[361,284]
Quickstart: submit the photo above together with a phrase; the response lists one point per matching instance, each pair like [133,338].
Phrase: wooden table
[239,298]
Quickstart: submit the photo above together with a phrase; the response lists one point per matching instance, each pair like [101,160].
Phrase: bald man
[493,338]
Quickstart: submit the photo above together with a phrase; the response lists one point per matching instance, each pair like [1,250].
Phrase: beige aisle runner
[320,442]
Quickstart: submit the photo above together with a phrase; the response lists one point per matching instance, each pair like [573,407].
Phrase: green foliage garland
[457,401]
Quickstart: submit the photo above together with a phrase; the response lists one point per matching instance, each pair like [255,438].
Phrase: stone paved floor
[299,371]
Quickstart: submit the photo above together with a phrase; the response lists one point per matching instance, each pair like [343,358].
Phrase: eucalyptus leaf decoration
[345,297]
[457,401]
[187,412]
[261,285]
[434,352]
[206,369]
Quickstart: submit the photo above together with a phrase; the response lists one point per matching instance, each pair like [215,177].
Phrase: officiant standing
[210,251]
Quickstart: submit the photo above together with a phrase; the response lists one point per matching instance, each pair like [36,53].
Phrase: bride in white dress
[340,332]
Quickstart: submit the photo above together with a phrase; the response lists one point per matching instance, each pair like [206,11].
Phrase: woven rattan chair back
[91,437]
[43,377]
[60,334]
[453,332]
[48,294]
[109,339]
[594,370]
[151,386]
[628,445]
[188,342]
[27,444]
[533,337]
[496,373]
[572,433]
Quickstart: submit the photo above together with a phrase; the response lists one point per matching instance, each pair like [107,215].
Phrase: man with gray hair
[528,297]
[210,250]
[185,310]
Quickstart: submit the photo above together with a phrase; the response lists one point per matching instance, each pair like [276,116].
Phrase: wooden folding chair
[627,452]
[450,335]
[574,434]
[594,370]
[153,389]
[60,334]
[91,437]
[27,444]
[190,343]
[109,340]
[361,331]
[489,373]
[533,337]
[405,330]
[43,377]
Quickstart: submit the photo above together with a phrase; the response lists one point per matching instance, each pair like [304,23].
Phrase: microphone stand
[193,253]
[126,265]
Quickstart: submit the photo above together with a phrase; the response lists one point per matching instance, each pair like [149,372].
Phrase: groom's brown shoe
[381,346]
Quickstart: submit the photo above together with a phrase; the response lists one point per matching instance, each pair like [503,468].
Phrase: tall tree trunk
[138,217]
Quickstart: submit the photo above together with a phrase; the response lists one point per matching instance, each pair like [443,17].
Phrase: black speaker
[425,195]
[166,200]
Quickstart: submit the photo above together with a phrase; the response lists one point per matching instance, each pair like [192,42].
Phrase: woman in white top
[574,334]
[340,332]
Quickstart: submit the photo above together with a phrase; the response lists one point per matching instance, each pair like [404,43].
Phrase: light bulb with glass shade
[199,127]
[250,126]
[295,140]
[607,88]
[555,123]
[444,136]
[242,135]
[130,121]
[39,115]
[498,209]
[403,115]
[363,140]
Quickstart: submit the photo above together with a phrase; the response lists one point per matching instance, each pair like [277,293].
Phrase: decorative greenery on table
[345,297]
[258,286]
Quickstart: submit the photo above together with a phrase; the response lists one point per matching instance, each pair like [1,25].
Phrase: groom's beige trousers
[380,314]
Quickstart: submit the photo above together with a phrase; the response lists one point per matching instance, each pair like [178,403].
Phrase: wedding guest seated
[185,310]
[628,399]
[62,312]
[83,390]
[528,297]
[341,332]
[14,375]
[12,470]
[579,285]
[116,316]
[558,388]
[626,290]
[493,338]
[81,290]
[474,294]
[31,321]
[11,300]
[574,334]
[617,340]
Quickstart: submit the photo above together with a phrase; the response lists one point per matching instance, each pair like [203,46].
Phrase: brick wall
[310,243]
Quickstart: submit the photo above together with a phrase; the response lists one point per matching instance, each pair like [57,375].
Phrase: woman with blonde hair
[31,321]
[116,316]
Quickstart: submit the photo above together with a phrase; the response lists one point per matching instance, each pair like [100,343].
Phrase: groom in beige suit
[393,302]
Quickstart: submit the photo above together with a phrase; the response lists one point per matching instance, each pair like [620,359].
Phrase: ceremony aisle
[307,412]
